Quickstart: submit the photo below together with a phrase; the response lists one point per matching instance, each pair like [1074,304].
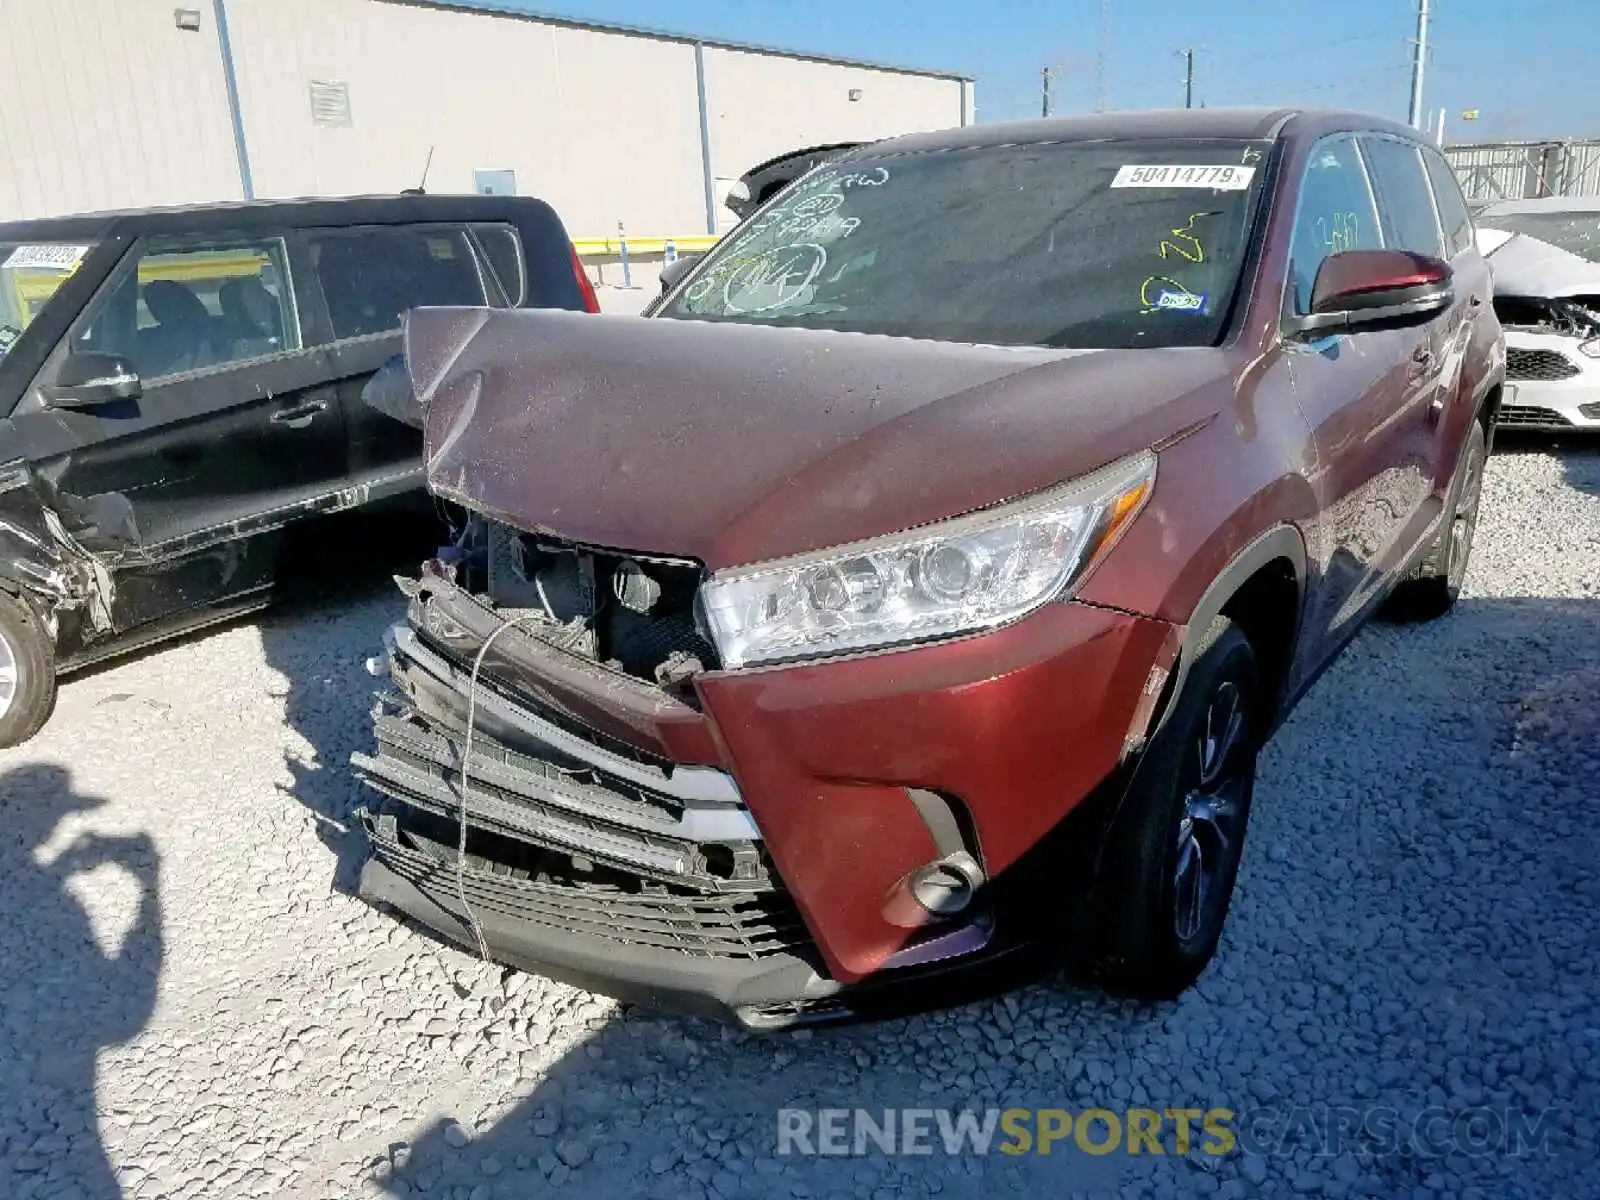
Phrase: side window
[502,251]
[1405,201]
[1452,205]
[179,306]
[370,276]
[1336,213]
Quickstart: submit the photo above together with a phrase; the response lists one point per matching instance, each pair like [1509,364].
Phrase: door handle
[300,416]
[1476,302]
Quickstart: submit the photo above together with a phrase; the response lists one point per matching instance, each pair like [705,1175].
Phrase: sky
[1527,66]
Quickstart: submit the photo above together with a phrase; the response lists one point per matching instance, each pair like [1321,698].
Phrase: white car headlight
[958,576]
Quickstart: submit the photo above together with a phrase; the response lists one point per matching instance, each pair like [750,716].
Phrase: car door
[1410,219]
[232,434]
[1469,339]
[1362,394]
[366,277]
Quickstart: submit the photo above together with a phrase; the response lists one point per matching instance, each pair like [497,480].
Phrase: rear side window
[1452,206]
[370,276]
[1405,200]
[1335,214]
[502,251]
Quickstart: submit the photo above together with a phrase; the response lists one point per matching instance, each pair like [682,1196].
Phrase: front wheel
[1435,583]
[27,672]
[1172,854]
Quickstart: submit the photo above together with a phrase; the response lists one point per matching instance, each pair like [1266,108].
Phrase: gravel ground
[195,1006]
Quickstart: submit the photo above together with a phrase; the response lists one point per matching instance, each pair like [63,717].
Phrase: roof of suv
[1222,123]
[234,214]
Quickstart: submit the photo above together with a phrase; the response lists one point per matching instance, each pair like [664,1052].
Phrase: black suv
[180,387]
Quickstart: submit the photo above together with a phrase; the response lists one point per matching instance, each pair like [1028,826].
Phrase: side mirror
[1365,289]
[88,378]
[674,271]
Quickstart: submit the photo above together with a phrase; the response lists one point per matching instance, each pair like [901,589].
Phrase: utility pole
[1100,56]
[1044,110]
[1419,63]
[1188,78]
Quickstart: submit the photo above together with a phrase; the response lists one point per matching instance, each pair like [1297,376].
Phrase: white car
[1545,255]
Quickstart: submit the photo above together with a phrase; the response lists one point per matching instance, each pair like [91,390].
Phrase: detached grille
[1544,365]
[1513,415]
[523,883]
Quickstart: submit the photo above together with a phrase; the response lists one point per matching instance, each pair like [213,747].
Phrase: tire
[1433,585]
[27,672]
[1159,908]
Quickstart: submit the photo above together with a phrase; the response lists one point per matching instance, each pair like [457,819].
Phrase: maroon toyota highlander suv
[900,606]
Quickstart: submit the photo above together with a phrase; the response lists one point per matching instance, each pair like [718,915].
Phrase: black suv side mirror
[89,378]
[676,270]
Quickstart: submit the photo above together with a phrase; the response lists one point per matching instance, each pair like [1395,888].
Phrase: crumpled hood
[1526,266]
[738,443]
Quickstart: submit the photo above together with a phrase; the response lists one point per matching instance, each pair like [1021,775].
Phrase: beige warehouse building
[116,103]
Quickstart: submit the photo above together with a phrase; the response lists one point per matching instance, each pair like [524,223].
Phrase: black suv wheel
[27,672]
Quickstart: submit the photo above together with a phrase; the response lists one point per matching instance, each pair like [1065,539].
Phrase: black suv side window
[1405,200]
[178,306]
[502,252]
[1336,213]
[1451,203]
[370,276]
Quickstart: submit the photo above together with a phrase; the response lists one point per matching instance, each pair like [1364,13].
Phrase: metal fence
[1523,170]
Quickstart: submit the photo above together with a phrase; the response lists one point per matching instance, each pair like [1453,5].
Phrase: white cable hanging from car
[466,758]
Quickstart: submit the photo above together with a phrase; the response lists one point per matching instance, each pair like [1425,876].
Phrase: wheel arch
[1266,577]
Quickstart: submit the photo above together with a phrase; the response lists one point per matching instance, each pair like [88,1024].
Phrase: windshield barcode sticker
[51,257]
[1225,179]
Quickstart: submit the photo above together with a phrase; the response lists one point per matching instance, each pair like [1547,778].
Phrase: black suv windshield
[1082,244]
[30,273]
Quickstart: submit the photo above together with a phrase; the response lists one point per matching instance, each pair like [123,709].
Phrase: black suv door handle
[300,416]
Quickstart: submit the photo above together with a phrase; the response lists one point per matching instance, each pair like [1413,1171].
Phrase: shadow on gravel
[320,645]
[1408,939]
[64,998]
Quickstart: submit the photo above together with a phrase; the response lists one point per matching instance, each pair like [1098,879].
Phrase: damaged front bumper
[585,863]
[748,848]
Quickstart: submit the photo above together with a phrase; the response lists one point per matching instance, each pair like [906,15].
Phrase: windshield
[30,273]
[1087,244]
[1575,232]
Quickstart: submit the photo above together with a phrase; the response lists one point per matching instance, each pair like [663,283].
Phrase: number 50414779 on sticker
[1220,178]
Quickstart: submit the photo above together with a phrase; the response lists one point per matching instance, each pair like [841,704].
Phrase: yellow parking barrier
[611,247]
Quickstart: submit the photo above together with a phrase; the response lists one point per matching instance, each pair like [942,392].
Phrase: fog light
[947,886]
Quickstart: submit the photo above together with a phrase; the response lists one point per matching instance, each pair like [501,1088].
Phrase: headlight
[969,573]
[1591,347]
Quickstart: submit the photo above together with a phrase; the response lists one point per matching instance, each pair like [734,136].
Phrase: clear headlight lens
[958,576]
[1591,347]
